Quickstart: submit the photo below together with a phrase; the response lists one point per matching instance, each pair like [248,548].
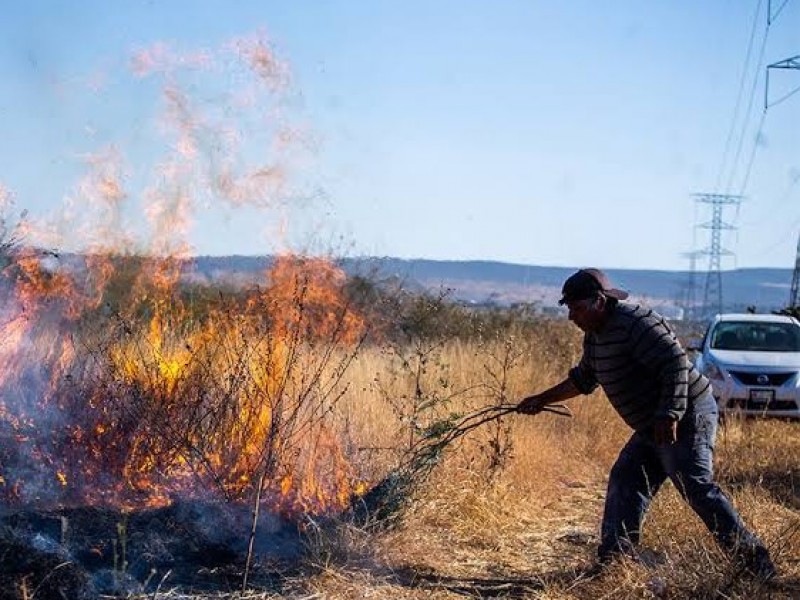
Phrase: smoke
[212,133]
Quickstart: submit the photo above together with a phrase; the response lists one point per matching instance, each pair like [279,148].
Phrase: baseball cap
[586,283]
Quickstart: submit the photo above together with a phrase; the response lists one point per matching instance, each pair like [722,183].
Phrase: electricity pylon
[689,296]
[712,293]
[789,63]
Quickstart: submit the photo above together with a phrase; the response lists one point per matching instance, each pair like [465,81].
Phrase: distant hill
[490,282]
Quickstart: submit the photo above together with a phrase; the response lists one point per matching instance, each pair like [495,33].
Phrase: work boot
[758,563]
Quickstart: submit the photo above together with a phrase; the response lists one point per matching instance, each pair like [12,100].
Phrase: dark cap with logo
[587,283]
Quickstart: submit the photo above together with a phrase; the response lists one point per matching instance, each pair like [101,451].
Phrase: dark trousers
[642,467]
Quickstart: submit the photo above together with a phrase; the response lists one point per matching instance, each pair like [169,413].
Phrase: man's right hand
[532,405]
[558,393]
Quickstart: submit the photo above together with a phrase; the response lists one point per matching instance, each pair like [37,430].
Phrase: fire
[118,386]
[149,407]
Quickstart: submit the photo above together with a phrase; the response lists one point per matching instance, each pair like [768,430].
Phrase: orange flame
[176,399]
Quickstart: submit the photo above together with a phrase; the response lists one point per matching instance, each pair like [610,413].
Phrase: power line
[742,80]
[756,142]
[735,163]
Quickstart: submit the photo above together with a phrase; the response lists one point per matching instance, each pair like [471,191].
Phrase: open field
[530,528]
[308,403]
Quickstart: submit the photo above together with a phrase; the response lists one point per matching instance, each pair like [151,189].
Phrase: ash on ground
[81,553]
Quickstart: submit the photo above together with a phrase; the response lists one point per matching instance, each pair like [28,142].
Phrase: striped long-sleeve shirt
[640,365]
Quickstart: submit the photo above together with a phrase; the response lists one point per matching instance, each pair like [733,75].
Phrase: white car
[753,362]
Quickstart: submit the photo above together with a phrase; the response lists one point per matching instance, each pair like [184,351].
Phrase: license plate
[762,397]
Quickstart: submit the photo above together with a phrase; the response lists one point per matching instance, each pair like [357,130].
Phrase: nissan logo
[762,379]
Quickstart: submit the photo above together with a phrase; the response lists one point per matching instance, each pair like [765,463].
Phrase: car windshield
[756,336]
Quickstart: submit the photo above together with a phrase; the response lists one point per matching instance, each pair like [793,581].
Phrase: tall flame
[140,405]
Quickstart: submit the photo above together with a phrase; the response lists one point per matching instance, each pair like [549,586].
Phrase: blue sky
[552,133]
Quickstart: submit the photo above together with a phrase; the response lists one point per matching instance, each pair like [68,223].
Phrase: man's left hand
[665,431]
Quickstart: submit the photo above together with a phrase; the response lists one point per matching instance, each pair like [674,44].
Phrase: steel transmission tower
[689,296]
[712,293]
[789,63]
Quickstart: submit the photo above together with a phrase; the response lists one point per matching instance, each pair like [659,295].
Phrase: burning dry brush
[136,404]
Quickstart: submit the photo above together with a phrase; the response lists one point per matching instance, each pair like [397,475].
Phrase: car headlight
[712,371]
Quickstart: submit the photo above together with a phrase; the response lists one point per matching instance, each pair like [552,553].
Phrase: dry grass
[528,528]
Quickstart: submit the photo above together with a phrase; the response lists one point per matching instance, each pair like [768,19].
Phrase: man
[635,357]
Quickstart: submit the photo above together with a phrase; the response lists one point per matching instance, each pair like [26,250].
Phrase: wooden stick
[253,529]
